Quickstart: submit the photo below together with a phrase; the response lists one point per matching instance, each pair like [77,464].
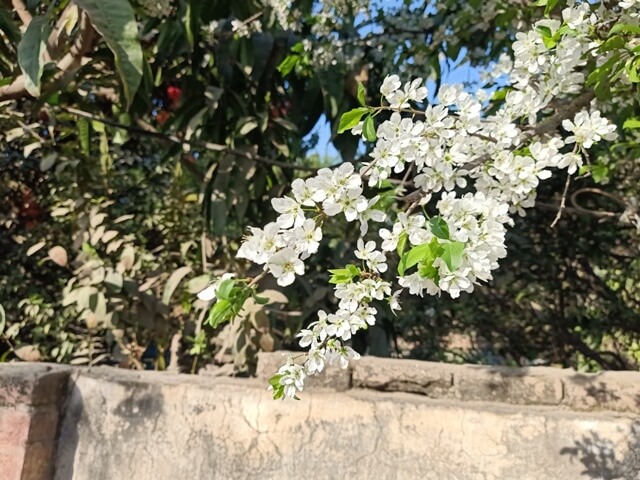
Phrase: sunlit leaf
[116,22]
[32,51]
[351,118]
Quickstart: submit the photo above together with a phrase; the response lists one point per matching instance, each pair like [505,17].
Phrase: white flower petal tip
[208,293]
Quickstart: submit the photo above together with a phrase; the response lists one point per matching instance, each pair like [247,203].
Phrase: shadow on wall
[68,433]
[598,455]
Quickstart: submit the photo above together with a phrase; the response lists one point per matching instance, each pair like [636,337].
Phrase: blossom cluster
[281,246]
[447,241]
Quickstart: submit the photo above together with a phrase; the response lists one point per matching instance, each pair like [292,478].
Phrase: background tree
[141,138]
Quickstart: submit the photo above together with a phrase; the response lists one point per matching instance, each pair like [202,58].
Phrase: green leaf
[631,123]
[631,69]
[499,95]
[32,51]
[369,129]
[412,257]
[624,28]
[344,275]
[549,42]
[249,124]
[544,31]
[3,319]
[427,270]
[260,300]
[613,43]
[288,64]
[224,289]
[362,94]
[219,313]
[439,227]
[600,172]
[83,134]
[116,22]
[402,243]
[275,380]
[452,255]
[551,4]
[351,118]
[286,124]
[187,20]
[425,267]
[278,393]
[353,270]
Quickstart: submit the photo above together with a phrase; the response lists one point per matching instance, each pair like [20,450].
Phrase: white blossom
[284,266]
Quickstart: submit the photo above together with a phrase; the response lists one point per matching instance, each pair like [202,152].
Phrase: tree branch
[148,130]
[67,65]
[569,110]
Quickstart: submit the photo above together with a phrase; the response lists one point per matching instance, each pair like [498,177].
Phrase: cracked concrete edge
[31,397]
[32,384]
[613,391]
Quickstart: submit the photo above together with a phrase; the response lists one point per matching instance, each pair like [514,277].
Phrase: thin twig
[148,130]
[596,191]
[562,202]
[203,250]
[577,210]
[406,176]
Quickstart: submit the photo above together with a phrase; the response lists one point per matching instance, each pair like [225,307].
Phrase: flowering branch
[455,242]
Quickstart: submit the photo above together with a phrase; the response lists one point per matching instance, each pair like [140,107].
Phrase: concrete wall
[382,419]
[30,400]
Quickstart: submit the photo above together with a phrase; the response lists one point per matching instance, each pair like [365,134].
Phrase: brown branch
[568,110]
[576,210]
[596,191]
[598,213]
[148,130]
[563,202]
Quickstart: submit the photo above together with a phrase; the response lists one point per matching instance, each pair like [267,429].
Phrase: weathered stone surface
[31,384]
[30,399]
[334,378]
[615,391]
[14,426]
[533,386]
[122,425]
[468,422]
[39,461]
[619,391]
[11,462]
[427,378]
